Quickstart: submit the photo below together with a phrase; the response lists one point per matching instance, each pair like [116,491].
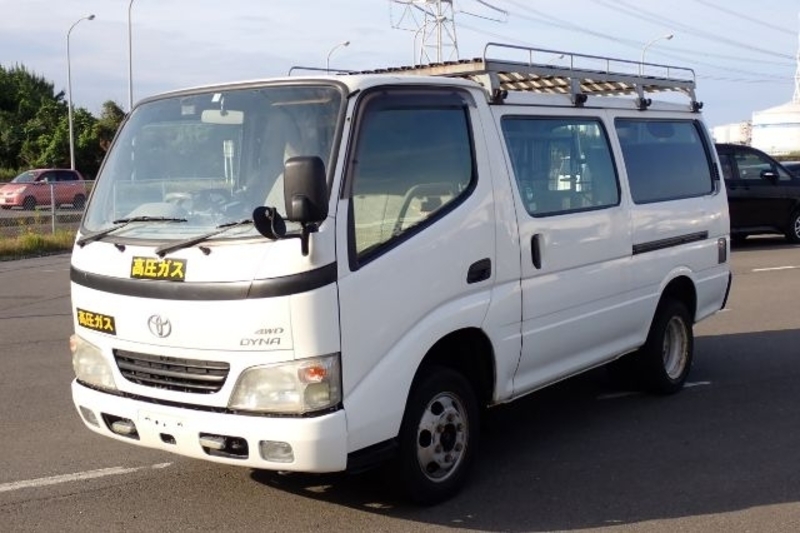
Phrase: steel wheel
[438,436]
[675,352]
[442,437]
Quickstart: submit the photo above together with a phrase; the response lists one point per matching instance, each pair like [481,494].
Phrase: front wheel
[666,356]
[793,229]
[438,436]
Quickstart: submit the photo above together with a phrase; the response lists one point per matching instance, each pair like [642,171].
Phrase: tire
[666,357]
[438,437]
[79,201]
[793,228]
[29,203]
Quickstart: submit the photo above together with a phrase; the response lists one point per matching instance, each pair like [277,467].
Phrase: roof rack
[578,75]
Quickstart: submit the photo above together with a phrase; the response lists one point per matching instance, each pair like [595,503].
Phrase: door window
[413,163]
[561,164]
[752,164]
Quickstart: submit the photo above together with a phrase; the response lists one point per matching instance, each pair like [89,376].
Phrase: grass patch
[34,244]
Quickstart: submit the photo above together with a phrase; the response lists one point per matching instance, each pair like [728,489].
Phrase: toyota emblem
[159,326]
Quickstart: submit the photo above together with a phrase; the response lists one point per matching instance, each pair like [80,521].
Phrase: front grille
[182,375]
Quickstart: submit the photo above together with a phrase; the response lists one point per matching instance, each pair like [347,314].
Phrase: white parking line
[79,476]
[626,394]
[772,269]
[689,385]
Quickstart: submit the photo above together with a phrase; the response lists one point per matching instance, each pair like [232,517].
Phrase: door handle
[479,271]
[536,253]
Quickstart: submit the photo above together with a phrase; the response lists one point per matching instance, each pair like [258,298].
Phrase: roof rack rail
[320,69]
[578,75]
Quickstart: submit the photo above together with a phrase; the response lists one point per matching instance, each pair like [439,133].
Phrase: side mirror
[769,175]
[305,188]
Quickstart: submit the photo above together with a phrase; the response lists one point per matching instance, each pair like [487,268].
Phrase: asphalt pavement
[721,455]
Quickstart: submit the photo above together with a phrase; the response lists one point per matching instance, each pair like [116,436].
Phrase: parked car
[34,187]
[763,196]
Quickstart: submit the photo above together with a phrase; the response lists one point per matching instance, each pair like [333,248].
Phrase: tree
[29,107]
[34,125]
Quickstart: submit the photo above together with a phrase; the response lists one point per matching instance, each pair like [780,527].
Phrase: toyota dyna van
[320,271]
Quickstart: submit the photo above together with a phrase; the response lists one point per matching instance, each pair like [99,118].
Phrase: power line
[680,54]
[748,17]
[643,14]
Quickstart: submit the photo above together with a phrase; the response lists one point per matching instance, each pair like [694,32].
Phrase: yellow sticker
[96,321]
[152,268]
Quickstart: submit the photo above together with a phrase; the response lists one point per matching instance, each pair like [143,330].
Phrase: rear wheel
[29,203]
[438,437]
[666,357]
[793,228]
[78,201]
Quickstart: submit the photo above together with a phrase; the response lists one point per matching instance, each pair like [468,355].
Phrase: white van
[315,272]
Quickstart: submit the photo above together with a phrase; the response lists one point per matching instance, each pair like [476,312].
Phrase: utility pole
[433,23]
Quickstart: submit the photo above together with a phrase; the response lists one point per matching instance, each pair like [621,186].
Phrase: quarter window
[665,160]
[412,164]
[561,164]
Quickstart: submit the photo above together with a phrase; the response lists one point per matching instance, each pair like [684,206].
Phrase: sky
[743,52]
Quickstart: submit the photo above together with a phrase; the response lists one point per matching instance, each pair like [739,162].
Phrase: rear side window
[561,165]
[66,175]
[665,160]
[413,163]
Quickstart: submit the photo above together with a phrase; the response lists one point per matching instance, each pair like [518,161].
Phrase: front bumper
[319,444]
[11,201]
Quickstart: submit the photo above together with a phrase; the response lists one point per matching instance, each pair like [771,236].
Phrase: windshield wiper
[121,223]
[161,251]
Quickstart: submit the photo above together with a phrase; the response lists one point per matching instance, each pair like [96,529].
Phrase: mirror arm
[308,229]
[304,236]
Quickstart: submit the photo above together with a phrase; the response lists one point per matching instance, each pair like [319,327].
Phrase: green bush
[7,174]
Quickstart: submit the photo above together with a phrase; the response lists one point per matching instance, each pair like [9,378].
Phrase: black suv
[763,197]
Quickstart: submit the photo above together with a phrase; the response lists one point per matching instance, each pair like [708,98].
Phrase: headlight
[89,364]
[290,388]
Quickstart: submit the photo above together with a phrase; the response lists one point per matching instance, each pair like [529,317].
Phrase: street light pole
[328,61]
[130,59]
[666,37]
[69,94]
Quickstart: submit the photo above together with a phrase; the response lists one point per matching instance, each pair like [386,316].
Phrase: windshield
[210,158]
[25,177]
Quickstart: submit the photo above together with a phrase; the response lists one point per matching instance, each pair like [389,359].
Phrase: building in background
[736,133]
[777,130]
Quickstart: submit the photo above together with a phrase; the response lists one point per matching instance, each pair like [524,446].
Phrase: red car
[34,187]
